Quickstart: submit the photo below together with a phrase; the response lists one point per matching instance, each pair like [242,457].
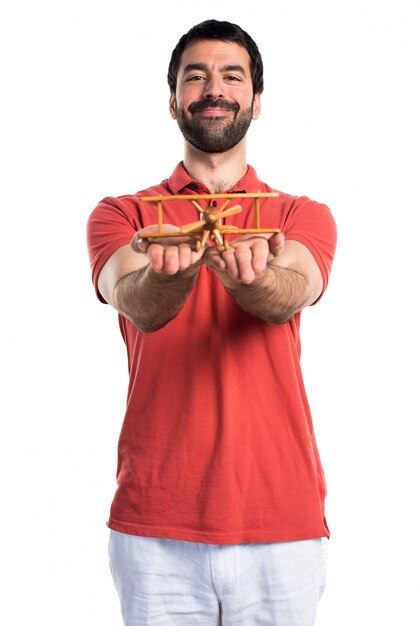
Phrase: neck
[217,171]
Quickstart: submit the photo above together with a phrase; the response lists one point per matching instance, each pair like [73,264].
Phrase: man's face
[214,102]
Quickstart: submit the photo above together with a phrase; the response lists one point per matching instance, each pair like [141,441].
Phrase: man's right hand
[168,254]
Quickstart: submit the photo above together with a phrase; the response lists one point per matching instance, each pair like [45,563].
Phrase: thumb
[138,244]
[276,243]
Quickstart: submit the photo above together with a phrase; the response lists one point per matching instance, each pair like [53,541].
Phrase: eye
[195,77]
[232,78]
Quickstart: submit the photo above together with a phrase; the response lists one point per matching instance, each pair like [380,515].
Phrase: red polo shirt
[217,444]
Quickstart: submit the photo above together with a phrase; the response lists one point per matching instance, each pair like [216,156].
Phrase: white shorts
[180,583]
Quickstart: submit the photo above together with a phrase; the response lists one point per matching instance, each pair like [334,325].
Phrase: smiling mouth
[213,112]
[213,108]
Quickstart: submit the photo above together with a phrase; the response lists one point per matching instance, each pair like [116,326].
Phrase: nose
[213,87]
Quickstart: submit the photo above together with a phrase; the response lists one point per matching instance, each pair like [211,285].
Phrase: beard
[214,134]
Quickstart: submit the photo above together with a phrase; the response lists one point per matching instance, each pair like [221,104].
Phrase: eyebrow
[226,68]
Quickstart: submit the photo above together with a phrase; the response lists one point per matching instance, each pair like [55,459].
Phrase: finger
[156,257]
[171,260]
[260,254]
[184,256]
[197,255]
[178,258]
[231,264]
[244,262]
[213,259]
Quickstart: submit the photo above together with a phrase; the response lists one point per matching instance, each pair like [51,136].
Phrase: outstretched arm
[148,283]
[267,276]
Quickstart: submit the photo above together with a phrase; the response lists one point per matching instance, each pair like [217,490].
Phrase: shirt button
[193,185]
[215,204]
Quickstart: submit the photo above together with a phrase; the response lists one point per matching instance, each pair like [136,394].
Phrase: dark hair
[224,31]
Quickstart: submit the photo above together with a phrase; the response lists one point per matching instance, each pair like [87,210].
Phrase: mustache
[210,103]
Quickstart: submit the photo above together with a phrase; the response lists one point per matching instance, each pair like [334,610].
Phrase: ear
[256,106]
[173,107]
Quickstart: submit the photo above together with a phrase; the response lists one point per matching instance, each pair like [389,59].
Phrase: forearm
[274,296]
[151,299]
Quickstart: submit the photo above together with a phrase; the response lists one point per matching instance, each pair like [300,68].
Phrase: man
[218,517]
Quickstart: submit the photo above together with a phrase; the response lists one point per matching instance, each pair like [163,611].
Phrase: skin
[268,277]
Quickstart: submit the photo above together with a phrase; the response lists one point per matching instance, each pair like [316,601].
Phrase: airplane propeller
[212,215]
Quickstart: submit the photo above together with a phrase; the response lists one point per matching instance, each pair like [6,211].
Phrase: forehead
[215,53]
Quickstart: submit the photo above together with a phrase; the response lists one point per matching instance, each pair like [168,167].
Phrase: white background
[85,115]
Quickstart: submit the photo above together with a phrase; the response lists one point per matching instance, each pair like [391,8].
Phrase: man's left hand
[245,257]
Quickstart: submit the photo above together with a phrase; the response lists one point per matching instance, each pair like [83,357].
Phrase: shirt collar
[180,181]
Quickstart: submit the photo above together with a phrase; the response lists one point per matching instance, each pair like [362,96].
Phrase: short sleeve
[111,225]
[313,225]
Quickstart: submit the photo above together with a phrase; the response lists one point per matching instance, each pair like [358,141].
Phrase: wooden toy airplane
[210,226]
